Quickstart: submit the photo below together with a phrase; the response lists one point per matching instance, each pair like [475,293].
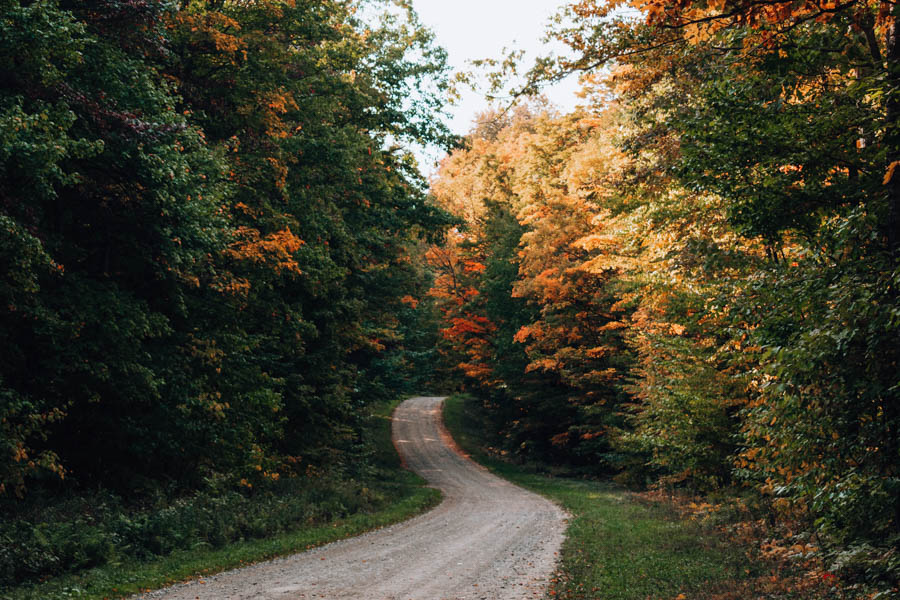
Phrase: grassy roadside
[617,548]
[404,494]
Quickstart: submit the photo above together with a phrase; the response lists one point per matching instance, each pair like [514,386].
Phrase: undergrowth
[95,547]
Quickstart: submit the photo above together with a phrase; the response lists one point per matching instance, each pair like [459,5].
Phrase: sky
[473,29]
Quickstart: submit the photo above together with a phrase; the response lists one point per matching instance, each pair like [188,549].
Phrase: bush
[91,531]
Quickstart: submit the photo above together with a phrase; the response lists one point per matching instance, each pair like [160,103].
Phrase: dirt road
[487,540]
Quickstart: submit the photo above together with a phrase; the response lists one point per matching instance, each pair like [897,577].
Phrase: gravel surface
[487,540]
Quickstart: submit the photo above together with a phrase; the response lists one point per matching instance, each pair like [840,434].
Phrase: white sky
[473,29]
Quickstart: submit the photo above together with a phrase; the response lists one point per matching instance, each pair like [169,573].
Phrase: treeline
[208,239]
[694,279]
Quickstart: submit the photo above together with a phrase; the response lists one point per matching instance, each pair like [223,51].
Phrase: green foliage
[206,243]
[614,544]
[722,225]
[104,547]
[797,160]
[104,531]
[830,387]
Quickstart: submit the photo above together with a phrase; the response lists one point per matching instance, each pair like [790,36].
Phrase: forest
[692,281]
[209,234]
[219,257]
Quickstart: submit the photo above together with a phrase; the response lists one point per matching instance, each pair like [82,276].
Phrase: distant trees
[531,323]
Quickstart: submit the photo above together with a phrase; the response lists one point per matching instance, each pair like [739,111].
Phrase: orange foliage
[471,324]
[543,168]
[699,20]
[272,105]
[473,266]
[275,249]
[214,29]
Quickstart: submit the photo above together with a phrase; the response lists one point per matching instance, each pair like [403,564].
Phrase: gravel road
[488,539]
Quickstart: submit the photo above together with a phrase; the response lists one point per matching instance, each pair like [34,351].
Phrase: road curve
[488,539]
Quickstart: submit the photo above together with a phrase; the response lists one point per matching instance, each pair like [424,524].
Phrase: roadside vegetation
[108,551]
[692,280]
[210,244]
[623,545]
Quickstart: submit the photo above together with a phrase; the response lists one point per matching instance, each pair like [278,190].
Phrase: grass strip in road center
[405,496]
[616,547]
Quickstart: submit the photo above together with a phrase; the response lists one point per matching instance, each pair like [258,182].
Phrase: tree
[783,115]
[531,322]
[207,236]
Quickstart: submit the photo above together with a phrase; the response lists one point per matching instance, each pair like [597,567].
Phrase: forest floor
[488,539]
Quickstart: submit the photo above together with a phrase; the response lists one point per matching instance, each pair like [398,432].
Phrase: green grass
[617,548]
[405,496]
